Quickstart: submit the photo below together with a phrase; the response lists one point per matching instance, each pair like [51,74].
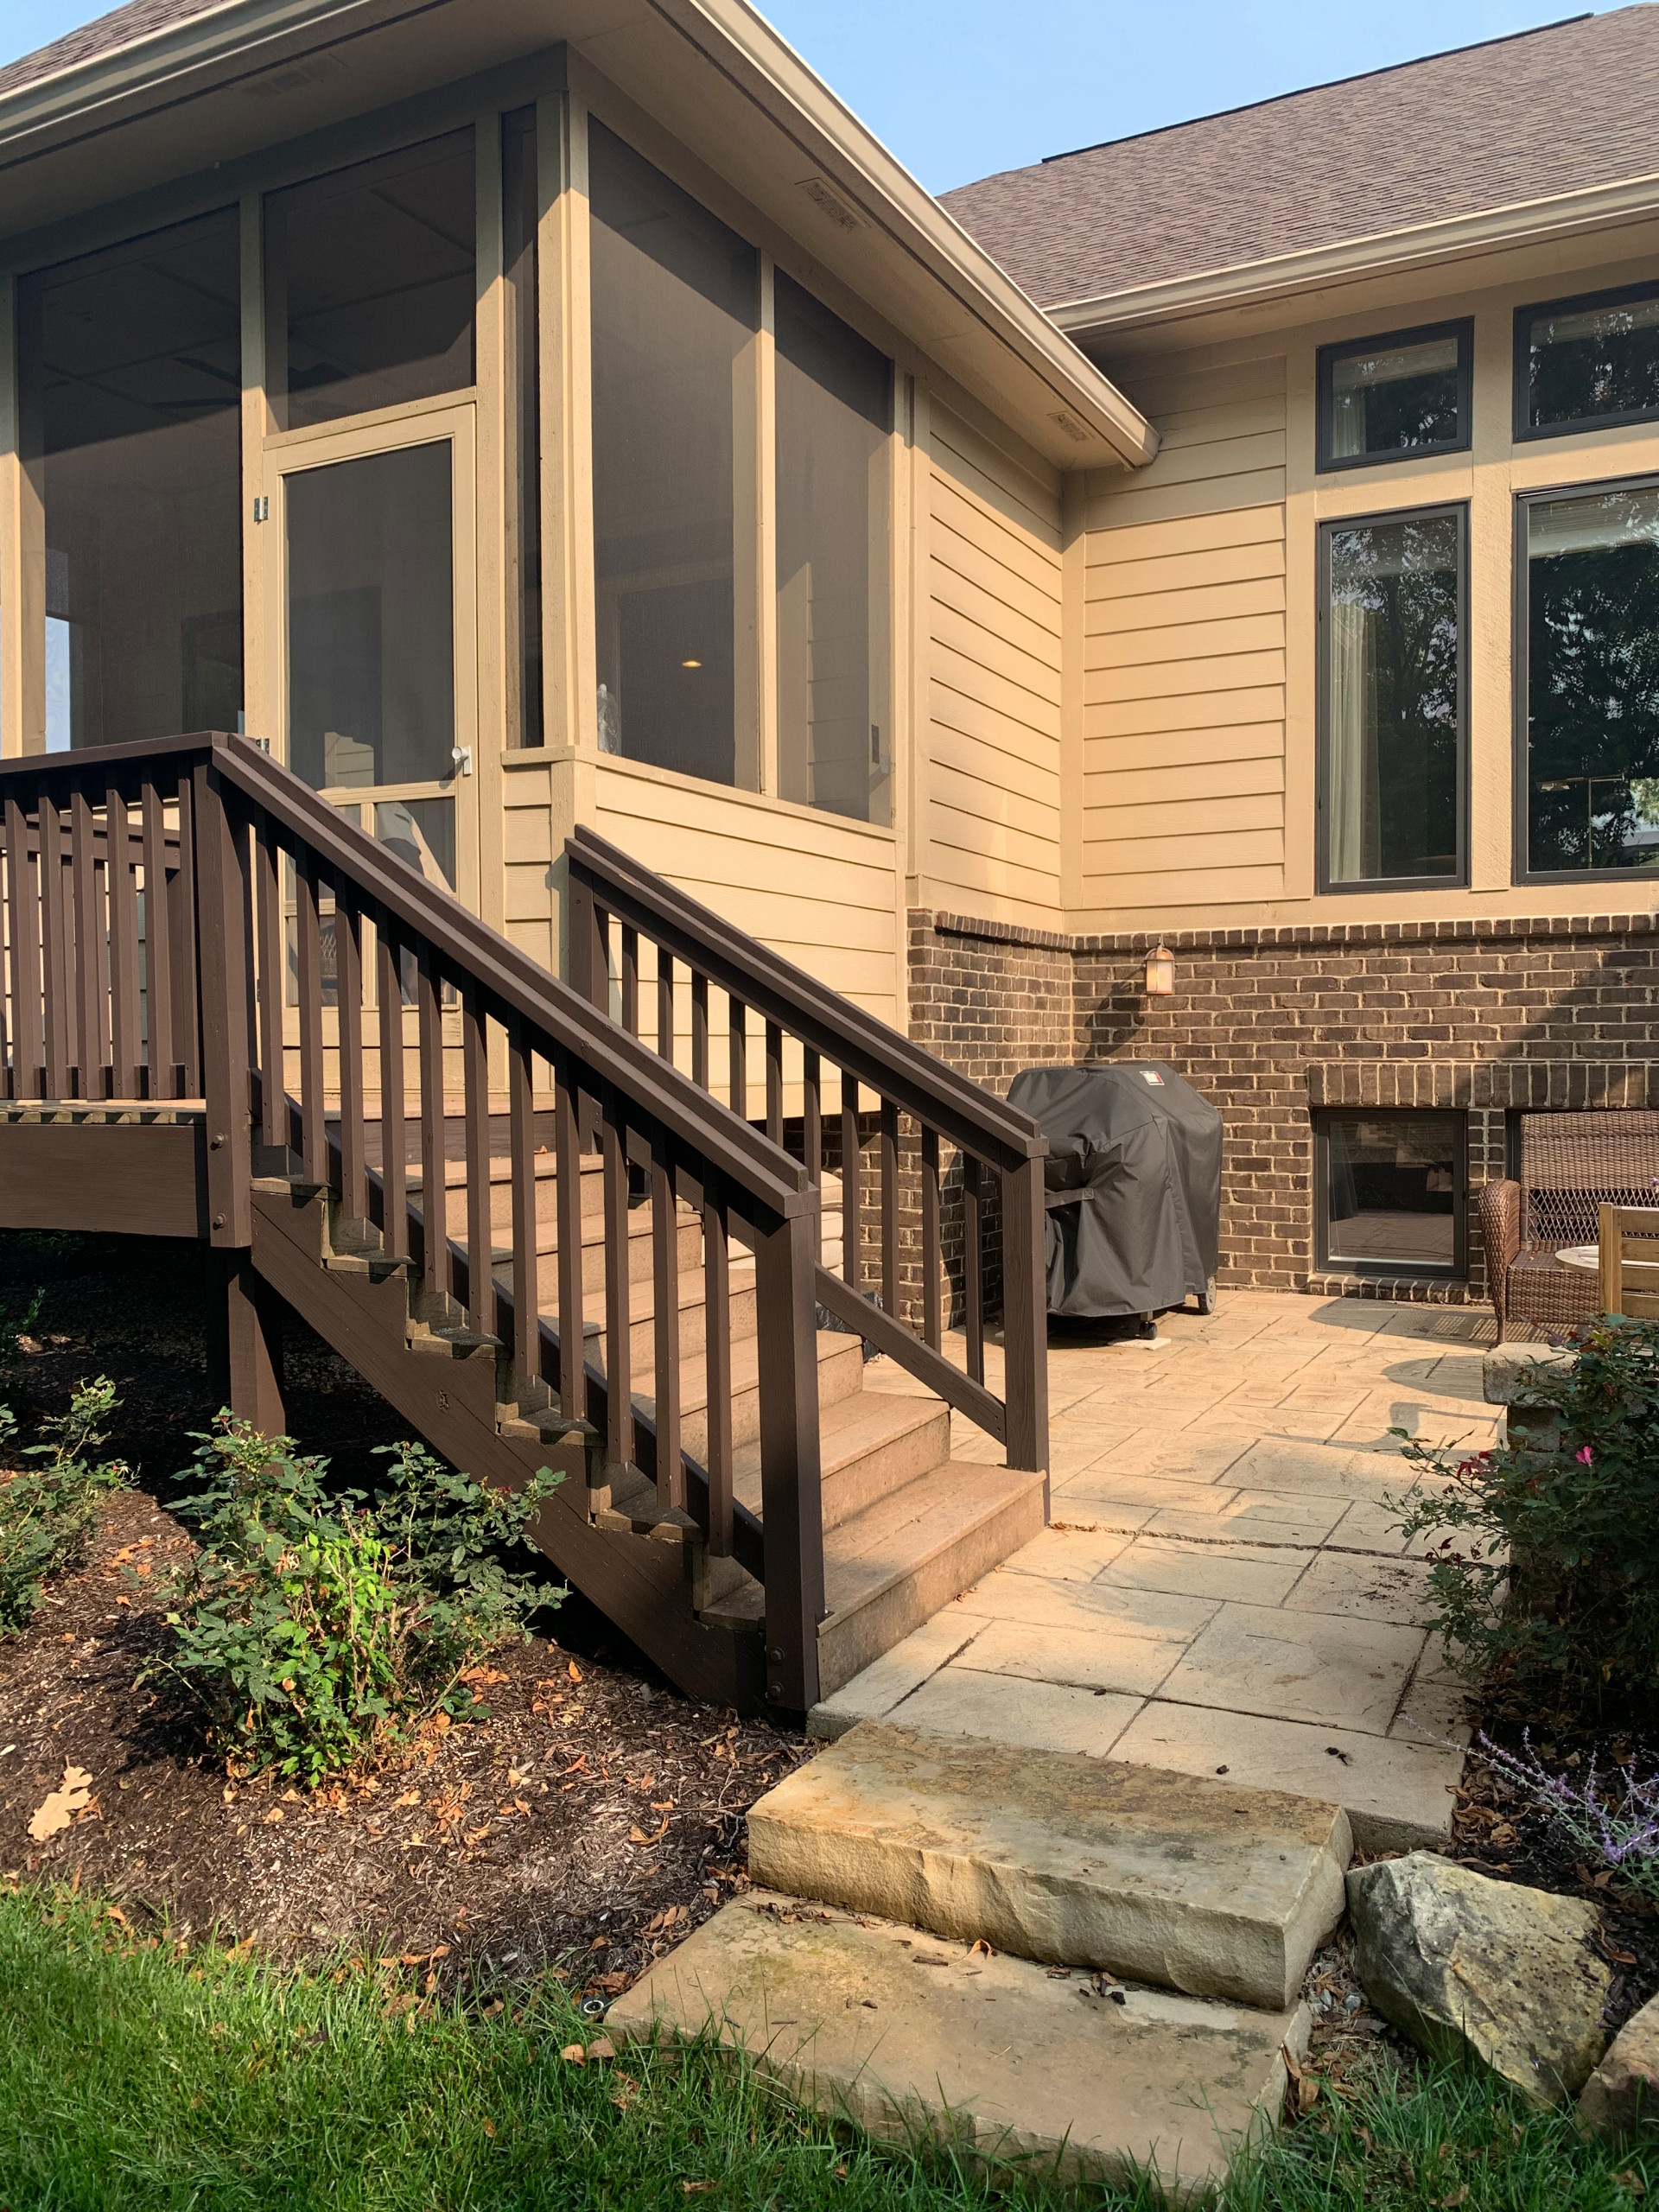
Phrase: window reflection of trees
[1593,695]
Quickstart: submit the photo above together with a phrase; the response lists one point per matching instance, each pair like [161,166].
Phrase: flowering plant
[1616,1821]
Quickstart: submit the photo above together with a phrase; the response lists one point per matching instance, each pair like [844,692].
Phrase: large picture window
[834,413]
[1390,1193]
[1587,364]
[1392,687]
[676,308]
[130,378]
[1389,399]
[1588,681]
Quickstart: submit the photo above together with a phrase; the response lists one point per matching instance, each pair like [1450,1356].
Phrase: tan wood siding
[1183,659]
[994,668]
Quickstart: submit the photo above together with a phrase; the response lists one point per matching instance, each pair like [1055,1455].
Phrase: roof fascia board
[148,63]
[1259,283]
[833,139]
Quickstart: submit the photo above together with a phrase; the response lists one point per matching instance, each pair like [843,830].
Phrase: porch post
[244,1341]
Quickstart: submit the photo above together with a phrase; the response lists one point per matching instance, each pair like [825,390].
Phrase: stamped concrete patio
[1223,1590]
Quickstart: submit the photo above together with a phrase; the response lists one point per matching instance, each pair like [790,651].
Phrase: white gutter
[732,37]
[1351,261]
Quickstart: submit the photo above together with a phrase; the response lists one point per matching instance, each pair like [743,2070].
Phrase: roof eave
[1352,260]
[1087,408]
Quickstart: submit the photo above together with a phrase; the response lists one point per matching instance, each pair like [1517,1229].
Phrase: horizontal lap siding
[819,891]
[528,854]
[1183,656]
[993,792]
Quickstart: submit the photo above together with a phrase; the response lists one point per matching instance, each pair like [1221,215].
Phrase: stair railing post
[791,1473]
[220,872]
[1025,1316]
[590,976]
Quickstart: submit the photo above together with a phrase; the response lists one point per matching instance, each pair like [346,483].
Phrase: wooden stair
[907,1528]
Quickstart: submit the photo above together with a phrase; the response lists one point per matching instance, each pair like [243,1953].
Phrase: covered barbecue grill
[1134,1176]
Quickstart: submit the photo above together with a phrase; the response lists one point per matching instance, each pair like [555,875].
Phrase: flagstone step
[1188,1883]
[882,2024]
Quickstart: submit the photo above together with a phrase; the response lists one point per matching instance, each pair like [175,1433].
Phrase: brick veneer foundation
[1487,1017]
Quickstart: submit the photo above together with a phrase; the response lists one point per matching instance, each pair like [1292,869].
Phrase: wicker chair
[1572,1164]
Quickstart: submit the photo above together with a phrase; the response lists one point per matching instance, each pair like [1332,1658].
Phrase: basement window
[1587,364]
[1389,399]
[1390,1193]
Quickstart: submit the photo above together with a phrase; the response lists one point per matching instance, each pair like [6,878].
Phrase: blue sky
[958,88]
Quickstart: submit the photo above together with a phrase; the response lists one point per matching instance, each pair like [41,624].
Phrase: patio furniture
[1630,1261]
[1572,1164]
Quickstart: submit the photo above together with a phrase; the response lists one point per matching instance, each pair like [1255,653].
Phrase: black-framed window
[1586,680]
[1393,690]
[1389,399]
[1391,1193]
[1589,363]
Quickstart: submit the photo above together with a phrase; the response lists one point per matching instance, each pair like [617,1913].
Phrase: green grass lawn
[133,2077]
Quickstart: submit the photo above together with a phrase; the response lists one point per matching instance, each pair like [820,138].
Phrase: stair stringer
[643,1586]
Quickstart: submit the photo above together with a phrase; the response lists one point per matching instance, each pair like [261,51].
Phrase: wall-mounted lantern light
[1161,972]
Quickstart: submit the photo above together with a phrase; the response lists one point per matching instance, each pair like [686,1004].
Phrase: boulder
[1620,2103]
[1461,1963]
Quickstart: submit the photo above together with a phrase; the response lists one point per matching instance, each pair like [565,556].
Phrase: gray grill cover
[1144,1151]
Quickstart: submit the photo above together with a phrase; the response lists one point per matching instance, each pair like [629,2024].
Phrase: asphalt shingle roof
[103,35]
[1517,119]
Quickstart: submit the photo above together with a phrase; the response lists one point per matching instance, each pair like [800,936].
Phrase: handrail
[878,1054]
[608,886]
[327,993]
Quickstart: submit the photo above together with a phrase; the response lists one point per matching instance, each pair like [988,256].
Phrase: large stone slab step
[882,2024]
[1189,1884]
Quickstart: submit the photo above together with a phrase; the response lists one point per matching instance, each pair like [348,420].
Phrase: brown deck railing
[615,905]
[171,909]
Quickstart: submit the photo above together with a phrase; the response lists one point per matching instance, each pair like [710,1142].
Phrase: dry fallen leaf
[601,2047]
[72,1795]
[1632,2181]
[575,2054]
[409,1797]
[574,1671]
[698,2188]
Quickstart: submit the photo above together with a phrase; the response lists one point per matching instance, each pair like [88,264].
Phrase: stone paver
[1224,1583]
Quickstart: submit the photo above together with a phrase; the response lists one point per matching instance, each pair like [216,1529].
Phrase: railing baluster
[812,1130]
[24,901]
[476,1106]
[619,1401]
[738,1035]
[973,1279]
[851,1194]
[567,1188]
[124,947]
[272,966]
[521,1146]
[931,1331]
[435,1201]
[394,1136]
[631,981]
[159,1048]
[890,1207]
[665,1286]
[314,1140]
[348,995]
[664,1004]
[700,1030]
[187,1006]
[55,951]
[774,1083]
[89,949]
[717,1367]
[1024,1315]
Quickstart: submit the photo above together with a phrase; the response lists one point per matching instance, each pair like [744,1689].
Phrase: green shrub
[1547,1570]
[46,1513]
[315,1625]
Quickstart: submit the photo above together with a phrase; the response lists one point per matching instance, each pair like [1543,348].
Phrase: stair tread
[849,1432]
[1198,1884]
[746,1372]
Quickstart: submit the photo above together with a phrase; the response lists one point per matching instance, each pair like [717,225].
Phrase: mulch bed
[587,1824]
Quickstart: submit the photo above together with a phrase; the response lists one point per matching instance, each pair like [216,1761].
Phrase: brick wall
[1484,1018]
